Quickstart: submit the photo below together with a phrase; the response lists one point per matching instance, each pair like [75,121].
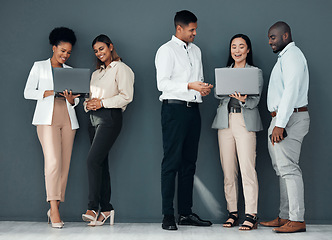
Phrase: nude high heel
[58,225]
[100,223]
[48,216]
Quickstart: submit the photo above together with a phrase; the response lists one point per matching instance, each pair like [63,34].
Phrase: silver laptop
[241,80]
[75,79]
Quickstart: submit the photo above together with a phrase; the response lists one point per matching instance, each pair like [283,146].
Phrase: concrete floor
[149,231]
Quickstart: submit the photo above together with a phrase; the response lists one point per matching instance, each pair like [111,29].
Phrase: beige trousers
[238,149]
[57,143]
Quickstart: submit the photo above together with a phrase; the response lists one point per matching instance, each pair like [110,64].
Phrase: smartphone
[284,135]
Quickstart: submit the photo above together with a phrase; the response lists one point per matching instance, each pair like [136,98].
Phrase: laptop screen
[241,80]
[75,79]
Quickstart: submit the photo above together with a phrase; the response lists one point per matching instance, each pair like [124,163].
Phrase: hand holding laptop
[239,97]
[69,96]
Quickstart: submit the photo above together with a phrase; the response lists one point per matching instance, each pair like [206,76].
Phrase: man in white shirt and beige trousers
[287,100]
[180,79]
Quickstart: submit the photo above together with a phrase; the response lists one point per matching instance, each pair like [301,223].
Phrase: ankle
[54,212]
[103,215]
[55,216]
[253,214]
[91,213]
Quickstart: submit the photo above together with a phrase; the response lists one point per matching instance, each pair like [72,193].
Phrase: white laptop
[240,80]
[76,80]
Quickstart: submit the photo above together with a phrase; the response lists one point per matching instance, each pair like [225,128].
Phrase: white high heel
[54,225]
[49,217]
[100,223]
[90,218]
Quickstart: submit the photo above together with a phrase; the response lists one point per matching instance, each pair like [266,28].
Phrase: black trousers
[104,128]
[181,126]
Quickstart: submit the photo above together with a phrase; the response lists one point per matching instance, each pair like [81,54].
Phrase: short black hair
[282,26]
[184,17]
[249,59]
[62,34]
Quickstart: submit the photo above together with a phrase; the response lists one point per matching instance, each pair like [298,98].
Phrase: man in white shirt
[287,100]
[180,79]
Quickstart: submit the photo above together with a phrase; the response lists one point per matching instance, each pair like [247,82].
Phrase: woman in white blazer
[237,121]
[55,119]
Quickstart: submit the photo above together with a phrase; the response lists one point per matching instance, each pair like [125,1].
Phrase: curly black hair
[62,34]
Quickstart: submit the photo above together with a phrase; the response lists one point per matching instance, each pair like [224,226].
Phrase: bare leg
[55,215]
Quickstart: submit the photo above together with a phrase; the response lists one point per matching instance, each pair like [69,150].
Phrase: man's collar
[288,46]
[180,42]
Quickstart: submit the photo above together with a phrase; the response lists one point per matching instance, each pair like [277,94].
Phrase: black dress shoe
[193,220]
[169,223]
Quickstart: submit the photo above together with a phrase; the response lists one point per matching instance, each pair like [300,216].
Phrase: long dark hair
[105,39]
[249,56]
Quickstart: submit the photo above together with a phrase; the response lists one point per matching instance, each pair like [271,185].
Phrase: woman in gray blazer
[237,121]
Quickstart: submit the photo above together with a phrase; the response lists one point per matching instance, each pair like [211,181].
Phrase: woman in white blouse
[111,90]
[55,119]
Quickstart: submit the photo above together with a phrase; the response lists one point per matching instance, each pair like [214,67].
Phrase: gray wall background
[137,29]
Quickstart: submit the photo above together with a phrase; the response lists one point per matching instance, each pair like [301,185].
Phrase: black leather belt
[234,110]
[173,101]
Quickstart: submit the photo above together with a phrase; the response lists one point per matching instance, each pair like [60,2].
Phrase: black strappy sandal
[253,220]
[234,217]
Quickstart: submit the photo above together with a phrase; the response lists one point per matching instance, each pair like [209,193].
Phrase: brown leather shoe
[291,227]
[278,222]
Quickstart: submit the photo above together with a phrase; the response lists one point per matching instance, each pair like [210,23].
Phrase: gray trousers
[285,160]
